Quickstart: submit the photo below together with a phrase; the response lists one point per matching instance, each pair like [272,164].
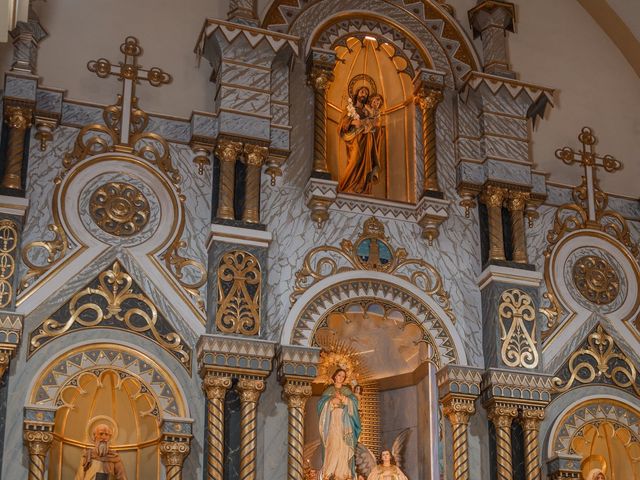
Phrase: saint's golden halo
[362,80]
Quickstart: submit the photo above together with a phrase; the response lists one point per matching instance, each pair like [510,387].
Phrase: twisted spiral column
[530,419]
[38,442]
[320,79]
[173,454]
[227,151]
[493,197]
[516,205]
[296,394]
[458,411]
[216,388]
[428,101]
[255,158]
[502,416]
[18,119]
[249,390]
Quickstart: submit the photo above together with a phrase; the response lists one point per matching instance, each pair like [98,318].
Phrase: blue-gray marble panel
[280,81]
[538,183]
[514,127]
[204,125]
[508,172]
[625,206]
[469,148]
[172,130]
[79,115]
[466,114]
[280,138]
[232,74]
[260,55]
[20,87]
[279,114]
[557,195]
[471,173]
[506,148]
[251,101]
[503,102]
[49,101]
[243,125]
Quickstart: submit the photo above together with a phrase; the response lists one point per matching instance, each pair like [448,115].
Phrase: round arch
[430,25]
[318,301]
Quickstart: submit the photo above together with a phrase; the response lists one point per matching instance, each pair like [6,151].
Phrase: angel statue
[339,429]
[390,464]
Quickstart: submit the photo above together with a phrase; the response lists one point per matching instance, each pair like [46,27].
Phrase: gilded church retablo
[319,240]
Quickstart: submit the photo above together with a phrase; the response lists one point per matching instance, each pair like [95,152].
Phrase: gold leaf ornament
[516,311]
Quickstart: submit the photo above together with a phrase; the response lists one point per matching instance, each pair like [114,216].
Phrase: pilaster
[26,38]
[297,367]
[459,387]
[491,20]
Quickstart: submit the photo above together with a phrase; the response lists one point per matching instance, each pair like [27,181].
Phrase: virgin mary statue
[339,429]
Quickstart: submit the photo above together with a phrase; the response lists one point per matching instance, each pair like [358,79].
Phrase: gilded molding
[225,353]
[371,251]
[239,293]
[110,305]
[517,316]
[596,279]
[599,360]
[9,239]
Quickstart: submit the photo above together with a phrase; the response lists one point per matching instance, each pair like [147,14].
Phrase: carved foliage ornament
[113,300]
[596,279]
[119,209]
[371,251]
[239,290]
[598,361]
[517,325]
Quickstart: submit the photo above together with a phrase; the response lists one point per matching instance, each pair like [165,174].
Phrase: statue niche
[370,121]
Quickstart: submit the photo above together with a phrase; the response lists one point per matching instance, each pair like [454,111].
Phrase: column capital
[174,452]
[493,195]
[215,385]
[18,116]
[250,389]
[517,200]
[256,155]
[530,417]
[228,150]
[320,65]
[428,87]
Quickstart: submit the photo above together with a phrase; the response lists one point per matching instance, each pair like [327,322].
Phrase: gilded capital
[250,389]
[459,410]
[256,154]
[320,78]
[228,150]
[502,415]
[494,196]
[297,394]
[38,441]
[531,418]
[18,117]
[5,359]
[216,386]
[173,453]
[518,201]
[428,98]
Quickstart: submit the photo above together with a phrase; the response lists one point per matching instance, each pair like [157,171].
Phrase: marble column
[18,118]
[255,156]
[516,204]
[494,197]
[227,151]
[320,64]
[215,387]
[530,418]
[249,390]
[502,416]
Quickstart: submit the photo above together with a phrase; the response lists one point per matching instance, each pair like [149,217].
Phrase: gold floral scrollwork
[371,251]
[517,325]
[189,273]
[113,303]
[599,358]
[596,279]
[8,243]
[239,290]
[119,209]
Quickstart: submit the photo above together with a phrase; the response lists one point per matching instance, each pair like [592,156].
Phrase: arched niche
[112,384]
[603,431]
[400,336]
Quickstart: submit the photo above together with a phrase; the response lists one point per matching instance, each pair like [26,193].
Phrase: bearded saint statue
[100,462]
